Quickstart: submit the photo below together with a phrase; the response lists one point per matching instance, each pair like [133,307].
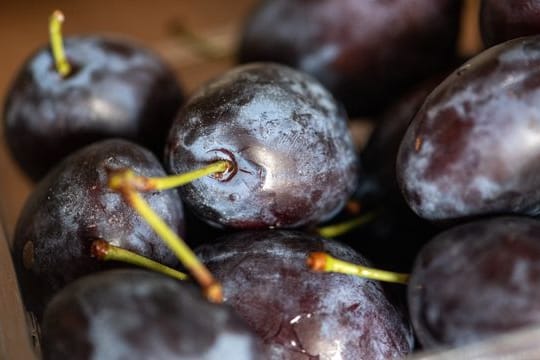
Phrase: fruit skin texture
[365,52]
[301,314]
[476,280]
[473,147]
[73,206]
[294,157]
[116,89]
[504,20]
[134,314]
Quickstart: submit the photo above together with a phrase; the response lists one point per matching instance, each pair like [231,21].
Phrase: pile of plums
[450,181]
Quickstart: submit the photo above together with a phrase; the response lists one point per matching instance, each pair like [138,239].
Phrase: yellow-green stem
[57,44]
[105,251]
[127,178]
[186,256]
[172,181]
[323,262]
[335,230]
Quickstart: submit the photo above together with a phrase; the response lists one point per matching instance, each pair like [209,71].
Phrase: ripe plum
[134,314]
[476,280]
[301,314]
[73,205]
[365,52]
[473,147]
[505,20]
[293,157]
[116,88]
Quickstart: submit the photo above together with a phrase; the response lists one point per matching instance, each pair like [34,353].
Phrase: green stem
[105,251]
[323,262]
[57,44]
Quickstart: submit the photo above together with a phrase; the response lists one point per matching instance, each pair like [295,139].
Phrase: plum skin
[117,88]
[73,205]
[505,20]
[136,314]
[287,137]
[301,314]
[365,52]
[475,281]
[472,148]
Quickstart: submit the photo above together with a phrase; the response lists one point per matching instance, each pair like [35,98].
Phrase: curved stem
[323,262]
[57,45]
[177,245]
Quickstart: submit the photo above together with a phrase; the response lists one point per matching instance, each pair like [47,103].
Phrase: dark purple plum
[366,52]
[117,88]
[475,281]
[301,314]
[393,238]
[505,20]
[379,155]
[294,159]
[134,314]
[73,205]
[473,147]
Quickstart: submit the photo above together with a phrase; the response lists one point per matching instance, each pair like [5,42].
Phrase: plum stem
[143,183]
[103,250]
[57,44]
[323,262]
[187,257]
[338,229]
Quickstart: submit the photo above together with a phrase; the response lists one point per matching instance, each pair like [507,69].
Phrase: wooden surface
[14,335]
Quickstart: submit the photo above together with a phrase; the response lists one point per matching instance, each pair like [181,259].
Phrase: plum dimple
[288,138]
[452,162]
